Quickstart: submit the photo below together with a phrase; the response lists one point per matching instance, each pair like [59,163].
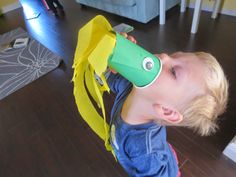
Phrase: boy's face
[181,80]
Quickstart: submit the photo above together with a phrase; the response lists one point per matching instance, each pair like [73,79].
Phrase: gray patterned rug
[19,67]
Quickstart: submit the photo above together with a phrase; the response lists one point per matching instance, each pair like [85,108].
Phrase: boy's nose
[163,57]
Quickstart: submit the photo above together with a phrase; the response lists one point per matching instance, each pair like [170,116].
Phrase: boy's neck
[137,109]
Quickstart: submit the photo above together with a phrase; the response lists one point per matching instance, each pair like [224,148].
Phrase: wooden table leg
[196,16]
[216,8]
[162,14]
[183,6]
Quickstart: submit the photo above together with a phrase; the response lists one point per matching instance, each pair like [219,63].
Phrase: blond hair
[201,114]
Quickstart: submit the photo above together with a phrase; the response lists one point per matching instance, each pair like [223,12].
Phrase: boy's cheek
[162,79]
[164,87]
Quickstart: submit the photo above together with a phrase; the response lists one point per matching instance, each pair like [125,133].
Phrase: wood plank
[190,170]
[41,131]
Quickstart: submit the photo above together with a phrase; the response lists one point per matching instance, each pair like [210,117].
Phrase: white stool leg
[183,6]
[196,16]
[162,17]
[216,8]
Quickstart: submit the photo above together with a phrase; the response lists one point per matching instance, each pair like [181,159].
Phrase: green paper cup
[134,63]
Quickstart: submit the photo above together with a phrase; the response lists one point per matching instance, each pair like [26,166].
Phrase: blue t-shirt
[141,149]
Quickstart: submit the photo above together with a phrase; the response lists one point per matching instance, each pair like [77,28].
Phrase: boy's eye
[173,72]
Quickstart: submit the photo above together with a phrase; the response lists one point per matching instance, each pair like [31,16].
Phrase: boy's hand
[131,38]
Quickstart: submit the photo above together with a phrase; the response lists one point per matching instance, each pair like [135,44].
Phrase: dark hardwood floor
[41,131]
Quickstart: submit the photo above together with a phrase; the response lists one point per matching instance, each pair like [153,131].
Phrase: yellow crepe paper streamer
[95,44]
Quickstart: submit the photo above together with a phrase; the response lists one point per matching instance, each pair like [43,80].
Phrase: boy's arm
[151,165]
[116,82]
[150,159]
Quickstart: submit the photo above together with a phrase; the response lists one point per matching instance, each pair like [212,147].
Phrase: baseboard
[10,7]
[209,9]
[230,150]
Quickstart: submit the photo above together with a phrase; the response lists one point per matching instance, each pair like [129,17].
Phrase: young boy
[191,91]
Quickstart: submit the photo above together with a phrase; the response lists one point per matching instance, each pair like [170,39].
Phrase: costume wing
[94,46]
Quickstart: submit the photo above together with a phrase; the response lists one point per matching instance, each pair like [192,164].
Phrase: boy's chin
[165,123]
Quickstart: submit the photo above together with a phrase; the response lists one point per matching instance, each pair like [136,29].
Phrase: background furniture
[196,15]
[197,11]
[139,10]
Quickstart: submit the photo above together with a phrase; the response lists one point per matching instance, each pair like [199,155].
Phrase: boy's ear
[168,114]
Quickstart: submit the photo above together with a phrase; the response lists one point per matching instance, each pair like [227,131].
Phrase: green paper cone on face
[134,63]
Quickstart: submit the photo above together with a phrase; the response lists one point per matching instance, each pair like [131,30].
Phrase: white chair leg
[196,16]
[183,6]
[216,8]
[162,15]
